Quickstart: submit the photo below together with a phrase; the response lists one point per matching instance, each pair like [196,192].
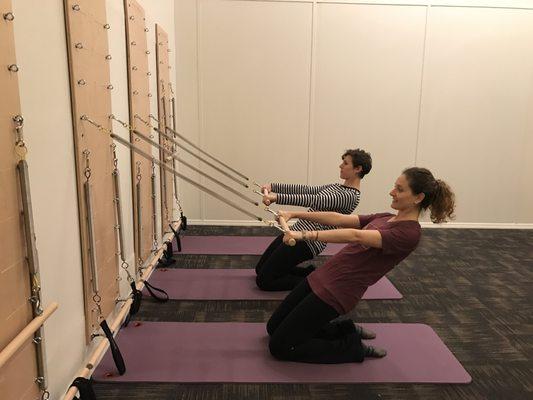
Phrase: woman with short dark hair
[276,270]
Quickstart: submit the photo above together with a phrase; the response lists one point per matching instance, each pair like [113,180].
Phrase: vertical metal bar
[174,147]
[33,265]
[90,230]
[154,207]
[118,209]
[164,180]
[139,220]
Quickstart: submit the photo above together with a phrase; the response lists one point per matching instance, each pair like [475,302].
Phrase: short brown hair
[360,158]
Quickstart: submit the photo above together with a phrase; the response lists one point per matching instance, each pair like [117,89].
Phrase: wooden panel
[139,104]
[164,96]
[17,377]
[90,87]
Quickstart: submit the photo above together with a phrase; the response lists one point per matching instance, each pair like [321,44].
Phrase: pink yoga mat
[234,245]
[238,352]
[236,284]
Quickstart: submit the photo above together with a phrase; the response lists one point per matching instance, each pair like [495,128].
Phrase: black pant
[301,330]
[274,267]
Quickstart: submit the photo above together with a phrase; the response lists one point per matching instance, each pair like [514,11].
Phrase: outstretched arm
[370,238]
[289,188]
[324,218]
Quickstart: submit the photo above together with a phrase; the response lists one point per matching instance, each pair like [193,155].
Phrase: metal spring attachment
[82,82]
[107,26]
[108,57]
[76,7]
[13,68]
[78,46]
[9,16]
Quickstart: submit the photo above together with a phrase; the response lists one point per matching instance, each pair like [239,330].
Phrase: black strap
[137,296]
[178,242]
[115,351]
[183,222]
[85,387]
[151,290]
[168,252]
[177,232]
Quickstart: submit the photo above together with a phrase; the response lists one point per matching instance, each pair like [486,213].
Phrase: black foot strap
[166,259]
[85,387]
[152,289]
[115,351]
[137,296]
[177,232]
[183,219]
[168,252]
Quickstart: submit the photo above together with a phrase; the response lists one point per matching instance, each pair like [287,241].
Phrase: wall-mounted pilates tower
[22,360]
[164,105]
[88,51]
[143,172]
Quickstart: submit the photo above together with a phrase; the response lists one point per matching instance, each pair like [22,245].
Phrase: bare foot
[365,333]
[375,352]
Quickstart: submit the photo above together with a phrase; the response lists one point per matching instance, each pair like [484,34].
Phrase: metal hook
[13,68]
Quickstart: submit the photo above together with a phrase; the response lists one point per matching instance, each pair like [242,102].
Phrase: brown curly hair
[439,197]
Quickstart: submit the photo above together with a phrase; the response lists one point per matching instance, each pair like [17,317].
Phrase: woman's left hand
[291,235]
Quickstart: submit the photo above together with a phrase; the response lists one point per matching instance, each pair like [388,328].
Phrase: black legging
[301,330]
[274,269]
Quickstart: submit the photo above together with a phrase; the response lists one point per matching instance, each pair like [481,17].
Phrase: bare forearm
[330,236]
[371,238]
[326,218]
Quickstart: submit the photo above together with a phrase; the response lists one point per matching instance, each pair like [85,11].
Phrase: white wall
[281,88]
[45,100]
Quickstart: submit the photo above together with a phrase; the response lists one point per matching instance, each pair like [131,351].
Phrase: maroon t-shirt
[342,280]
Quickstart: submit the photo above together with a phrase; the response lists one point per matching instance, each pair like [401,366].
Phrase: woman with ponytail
[301,329]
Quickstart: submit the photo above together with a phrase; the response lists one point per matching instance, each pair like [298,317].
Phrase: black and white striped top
[333,197]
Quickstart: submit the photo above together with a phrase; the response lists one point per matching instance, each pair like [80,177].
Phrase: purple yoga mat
[238,352]
[236,284]
[234,245]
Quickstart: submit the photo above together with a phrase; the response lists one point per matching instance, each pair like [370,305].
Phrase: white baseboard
[449,225]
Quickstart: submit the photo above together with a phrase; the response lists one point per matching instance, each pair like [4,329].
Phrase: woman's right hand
[269,199]
[267,187]
[286,215]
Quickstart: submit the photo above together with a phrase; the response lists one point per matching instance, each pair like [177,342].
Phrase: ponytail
[438,196]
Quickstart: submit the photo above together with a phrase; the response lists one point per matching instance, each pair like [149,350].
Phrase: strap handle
[115,351]
[85,387]
[137,296]
[152,289]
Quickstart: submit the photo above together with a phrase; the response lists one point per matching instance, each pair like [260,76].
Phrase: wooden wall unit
[164,105]
[90,95]
[139,104]
[17,377]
